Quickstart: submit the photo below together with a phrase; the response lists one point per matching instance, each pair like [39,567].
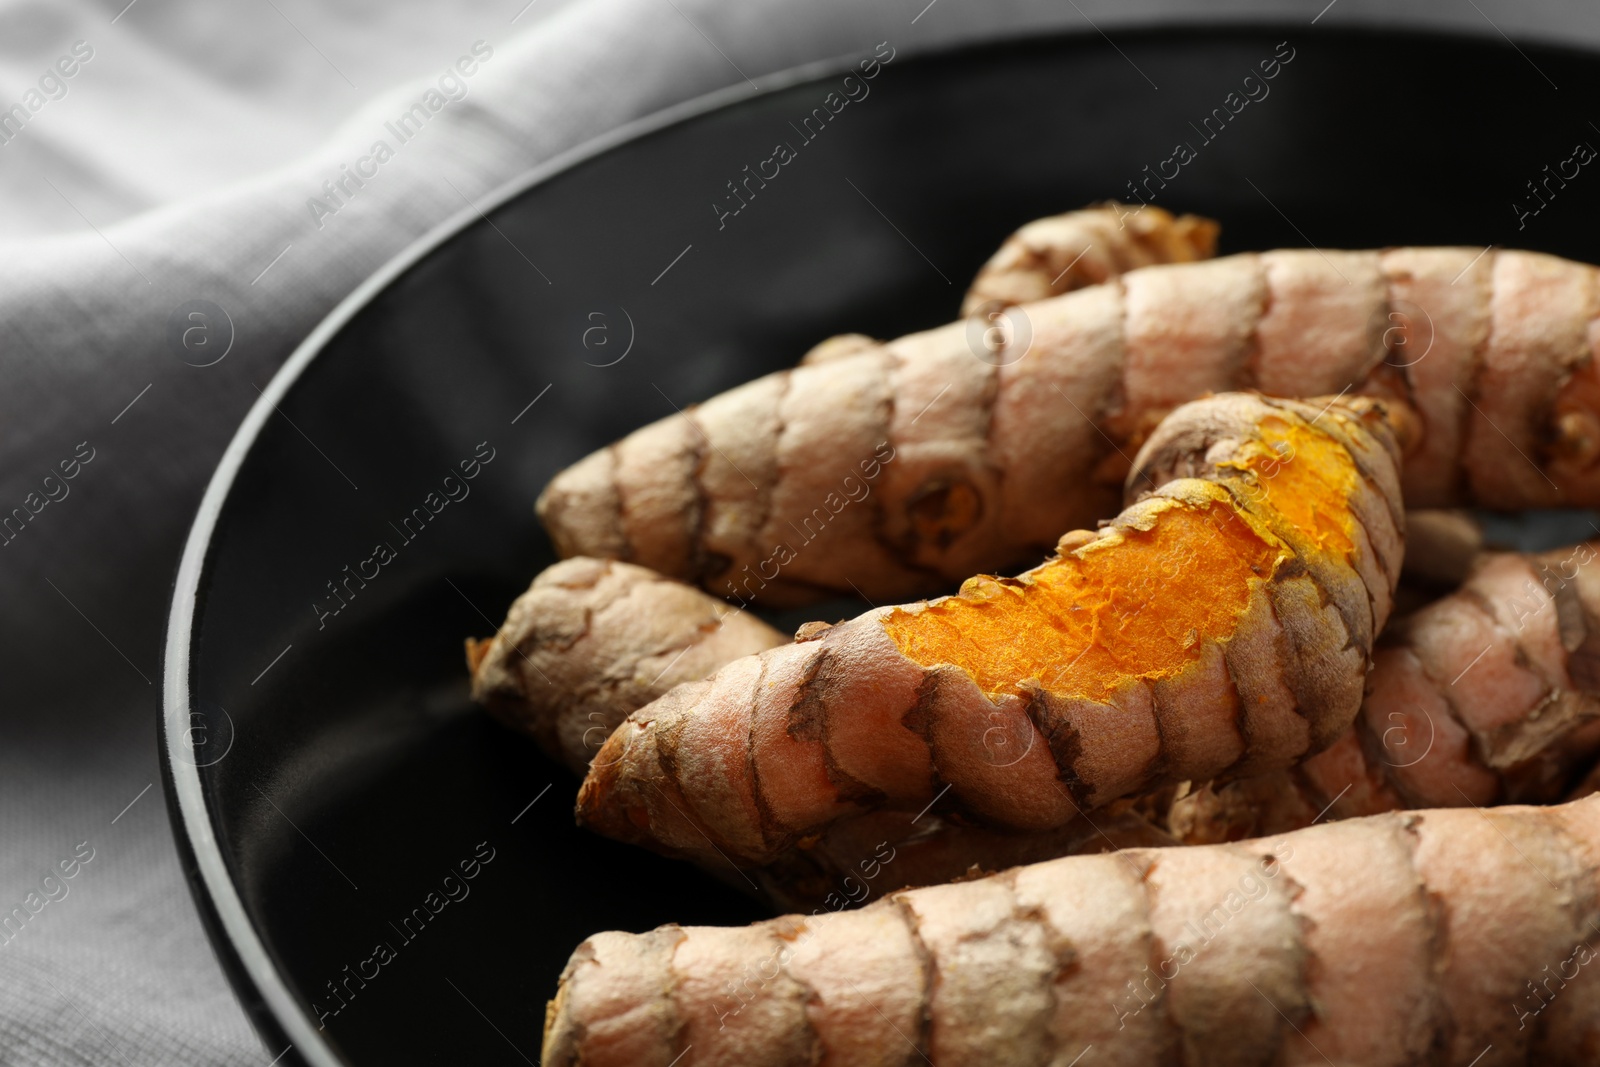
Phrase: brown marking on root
[764,491]
[1241,721]
[1172,1033]
[880,517]
[808,713]
[1358,638]
[1583,661]
[1040,1026]
[1155,769]
[818,687]
[786,929]
[1478,362]
[924,1036]
[764,813]
[1570,619]
[700,514]
[942,510]
[1438,943]
[919,720]
[1308,962]
[679,1026]
[1248,370]
[666,737]
[1064,742]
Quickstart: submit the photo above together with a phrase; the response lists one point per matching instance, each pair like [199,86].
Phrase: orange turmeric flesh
[1306,477]
[1081,624]
[1077,625]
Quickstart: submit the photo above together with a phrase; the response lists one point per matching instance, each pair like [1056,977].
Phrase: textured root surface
[1056,255]
[1423,937]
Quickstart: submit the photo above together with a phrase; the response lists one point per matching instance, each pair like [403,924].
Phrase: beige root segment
[592,640]
[1419,937]
[899,467]
[1296,503]
[1055,255]
[1062,253]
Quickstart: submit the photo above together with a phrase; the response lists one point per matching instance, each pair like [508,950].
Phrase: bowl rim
[263,990]
[273,1007]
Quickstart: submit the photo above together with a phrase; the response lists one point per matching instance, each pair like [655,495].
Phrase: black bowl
[327,774]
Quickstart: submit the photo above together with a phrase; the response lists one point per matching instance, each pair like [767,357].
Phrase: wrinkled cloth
[181,163]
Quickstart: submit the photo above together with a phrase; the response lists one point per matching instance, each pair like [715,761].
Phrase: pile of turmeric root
[1180,793]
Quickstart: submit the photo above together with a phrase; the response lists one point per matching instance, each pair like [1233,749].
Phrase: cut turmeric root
[1424,937]
[593,640]
[1271,549]
[896,468]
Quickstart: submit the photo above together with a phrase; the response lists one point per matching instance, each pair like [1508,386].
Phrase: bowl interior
[345,771]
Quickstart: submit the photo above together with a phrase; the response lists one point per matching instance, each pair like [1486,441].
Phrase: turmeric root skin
[1056,255]
[1387,941]
[776,747]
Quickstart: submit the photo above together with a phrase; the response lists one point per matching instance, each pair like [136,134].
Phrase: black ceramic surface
[344,774]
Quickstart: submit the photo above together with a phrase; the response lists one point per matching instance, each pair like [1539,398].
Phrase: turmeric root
[1272,547]
[1056,255]
[1423,937]
[1077,248]
[1486,696]
[913,463]
[592,640]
